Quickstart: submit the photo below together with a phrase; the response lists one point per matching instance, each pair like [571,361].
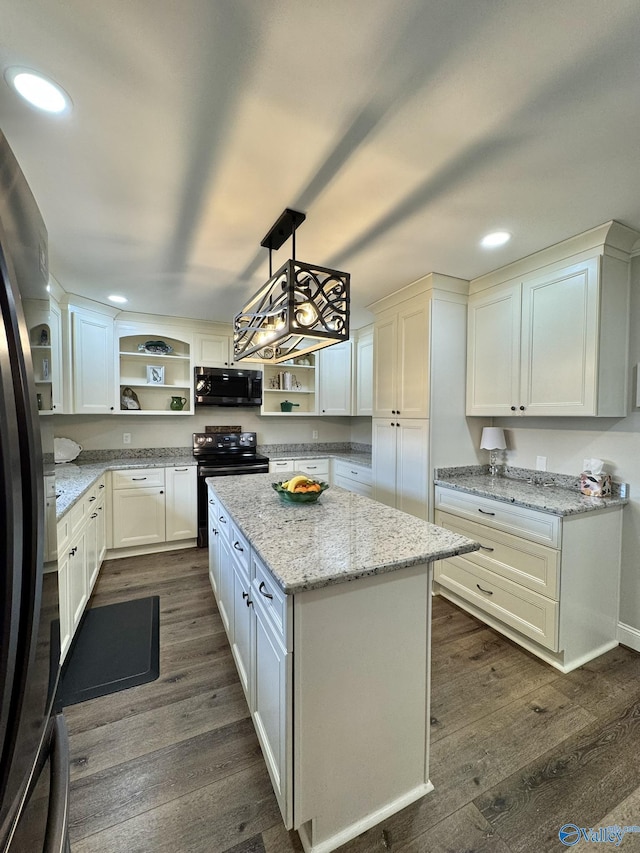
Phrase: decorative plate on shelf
[300,497]
[65,450]
[155,347]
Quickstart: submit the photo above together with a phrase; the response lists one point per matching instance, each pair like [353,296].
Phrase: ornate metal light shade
[301,308]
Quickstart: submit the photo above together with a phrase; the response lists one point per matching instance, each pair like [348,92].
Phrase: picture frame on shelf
[155,374]
[45,369]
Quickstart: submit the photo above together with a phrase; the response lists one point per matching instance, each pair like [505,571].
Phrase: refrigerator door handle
[57,834]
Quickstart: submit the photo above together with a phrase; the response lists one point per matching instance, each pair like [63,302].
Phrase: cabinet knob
[513,408]
[161,492]
[72,552]
[111,408]
[522,408]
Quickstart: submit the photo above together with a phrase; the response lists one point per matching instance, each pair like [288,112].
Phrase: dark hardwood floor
[518,750]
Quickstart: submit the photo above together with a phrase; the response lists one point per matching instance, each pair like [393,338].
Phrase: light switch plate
[541,463]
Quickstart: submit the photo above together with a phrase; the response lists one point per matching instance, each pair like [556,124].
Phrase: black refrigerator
[34,756]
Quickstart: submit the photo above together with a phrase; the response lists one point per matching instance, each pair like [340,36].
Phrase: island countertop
[341,537]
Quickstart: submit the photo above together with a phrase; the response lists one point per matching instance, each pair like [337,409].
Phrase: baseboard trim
[629,636]
[158,548]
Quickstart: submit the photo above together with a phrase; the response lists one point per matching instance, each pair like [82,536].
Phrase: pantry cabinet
[548,335]
[400,464]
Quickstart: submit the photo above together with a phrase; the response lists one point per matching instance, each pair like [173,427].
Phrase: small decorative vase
[178,403]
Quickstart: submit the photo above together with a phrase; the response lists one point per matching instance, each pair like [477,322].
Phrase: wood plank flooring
[518,749]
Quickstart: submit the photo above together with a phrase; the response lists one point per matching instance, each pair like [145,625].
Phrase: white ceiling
[405,129]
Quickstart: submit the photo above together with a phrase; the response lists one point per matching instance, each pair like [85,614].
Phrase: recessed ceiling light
[39,91]
[496,238]
[119,299]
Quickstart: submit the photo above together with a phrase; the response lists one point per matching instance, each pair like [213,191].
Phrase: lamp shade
[493,439]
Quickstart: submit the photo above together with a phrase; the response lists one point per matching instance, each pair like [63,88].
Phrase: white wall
[105,433]
[566,442]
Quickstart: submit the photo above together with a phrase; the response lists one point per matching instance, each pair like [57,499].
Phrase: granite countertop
[341,537]
[556,494]
[74,479]
[354,456]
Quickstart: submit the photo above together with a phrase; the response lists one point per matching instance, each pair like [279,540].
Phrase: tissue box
[595,485]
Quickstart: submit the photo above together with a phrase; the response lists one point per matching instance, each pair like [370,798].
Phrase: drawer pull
[355,473]
[484,512]
[180,469]
[94,498]
[486,547]
[138,478]
[238,546]
[94,515]
[312,467]
[487,591]
[261,590]
[223,519]
[101,486]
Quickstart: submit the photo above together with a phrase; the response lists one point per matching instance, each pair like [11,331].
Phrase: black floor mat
[117,646]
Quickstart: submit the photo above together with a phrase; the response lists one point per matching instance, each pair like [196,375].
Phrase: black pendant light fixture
[301,308]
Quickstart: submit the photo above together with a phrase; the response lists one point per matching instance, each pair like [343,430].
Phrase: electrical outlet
[126,438]
[541,463]
[314,433]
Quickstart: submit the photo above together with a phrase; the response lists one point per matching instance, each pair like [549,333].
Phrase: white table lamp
[493,440]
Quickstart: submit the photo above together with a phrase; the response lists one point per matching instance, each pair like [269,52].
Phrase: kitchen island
[327,607]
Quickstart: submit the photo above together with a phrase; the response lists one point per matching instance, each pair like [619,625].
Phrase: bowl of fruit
[300,489]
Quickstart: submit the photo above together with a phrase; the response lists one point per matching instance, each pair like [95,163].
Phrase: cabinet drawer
[531,614]
[64,531]
[78,515]
[240,549]
[353,486]
[276,465]
[352,472]
[272,600]
[137,478]
[533,565]
[531,524]
[313,467]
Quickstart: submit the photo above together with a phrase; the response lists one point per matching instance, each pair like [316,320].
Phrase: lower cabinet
[154,505]
[316,468]
[354,478]
[538,578]
[81,550]
[400,464]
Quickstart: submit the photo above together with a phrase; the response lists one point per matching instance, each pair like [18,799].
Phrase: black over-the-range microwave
[225,386]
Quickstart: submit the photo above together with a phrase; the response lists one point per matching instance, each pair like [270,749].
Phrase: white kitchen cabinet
[315,468]
[226,585]
[401,361]
[548,335]
[295,382]
[92,362]
[66,626]
[281,466]
[538,578]
[353,477]
[78,593]
[335,379]
[242,628]
[181,502]
[45,338]
[138,502]
[214,543]
[364,372]
[162,382]
[400,454]
[214,350]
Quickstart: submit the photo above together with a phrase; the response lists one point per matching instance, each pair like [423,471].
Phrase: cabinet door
[102,529]
[93,359]
[214,351]
[91,540]
[384,460]
[242,619]
[335,379]
[181,503]
[364,374]
[214,547]
[65,611]
[412,468]
[412,397]
[493,351]
[225,595]
[385,376]
[560,342]
[77,580]
[138,516]
[272,709]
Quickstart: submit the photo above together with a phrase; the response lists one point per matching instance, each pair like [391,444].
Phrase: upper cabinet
[92,361]
[553,340]
[214,351]
[45,337]
[335,379]
[401,361]
[155,370]
[364,372]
